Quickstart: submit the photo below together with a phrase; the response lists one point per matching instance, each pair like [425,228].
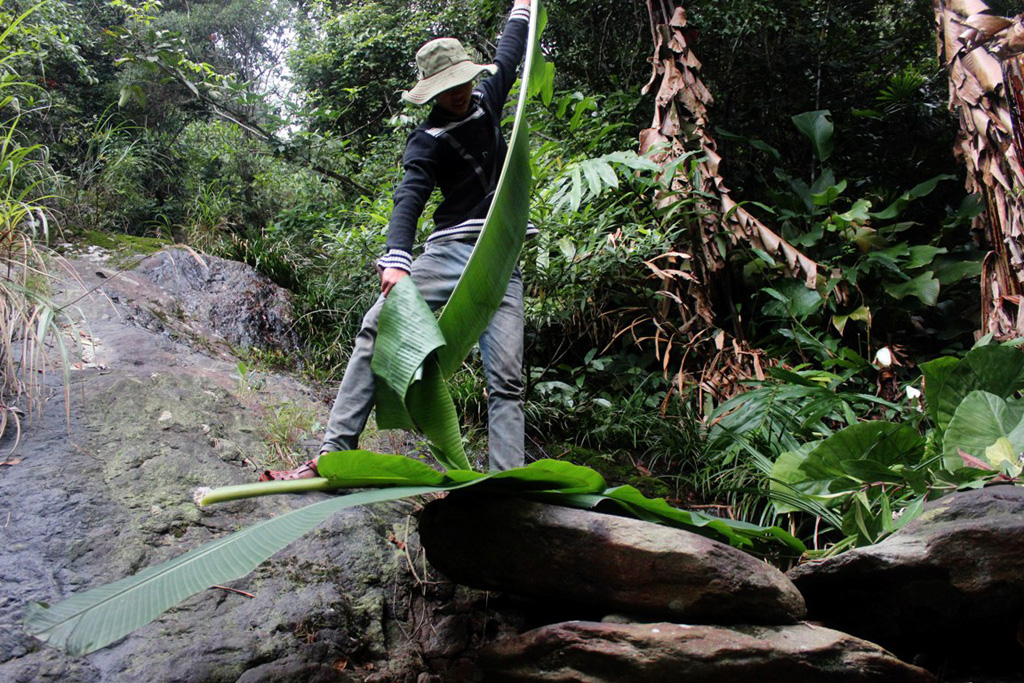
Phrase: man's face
[456,100]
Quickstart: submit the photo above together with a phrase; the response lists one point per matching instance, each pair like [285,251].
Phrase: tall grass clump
[113,184]
[29,328]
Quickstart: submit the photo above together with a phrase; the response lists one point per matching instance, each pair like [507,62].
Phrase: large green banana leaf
[409,363]
[482,285]
[355,469]
[93,619]
[98,617]
[88,621]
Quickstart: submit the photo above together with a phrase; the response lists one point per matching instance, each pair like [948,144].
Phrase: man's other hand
[388,278]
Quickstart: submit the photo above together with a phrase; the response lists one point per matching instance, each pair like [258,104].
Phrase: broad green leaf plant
[411,361]
[876,278]
[871,478]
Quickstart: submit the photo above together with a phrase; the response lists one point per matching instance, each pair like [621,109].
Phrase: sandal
[306,470]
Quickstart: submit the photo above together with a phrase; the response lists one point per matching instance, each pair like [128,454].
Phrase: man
[460,150]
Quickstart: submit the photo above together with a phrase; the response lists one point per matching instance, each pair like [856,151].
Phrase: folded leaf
[360,469]
[407,334]
[434,414]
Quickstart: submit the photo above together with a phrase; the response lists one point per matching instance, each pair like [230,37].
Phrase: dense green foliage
[808,448]
[271,132]
[31,342]
[872,64]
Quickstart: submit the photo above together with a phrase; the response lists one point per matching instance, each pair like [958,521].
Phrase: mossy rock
[123,248]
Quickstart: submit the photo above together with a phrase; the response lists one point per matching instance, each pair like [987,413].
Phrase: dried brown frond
[682,329]
[981,53]
[680,124]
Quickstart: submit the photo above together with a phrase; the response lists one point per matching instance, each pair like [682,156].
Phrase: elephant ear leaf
[987,427]
[997,370]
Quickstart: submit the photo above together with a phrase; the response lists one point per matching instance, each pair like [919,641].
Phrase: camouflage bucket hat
[443,63]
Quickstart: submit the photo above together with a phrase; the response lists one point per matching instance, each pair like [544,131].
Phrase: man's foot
[306,470]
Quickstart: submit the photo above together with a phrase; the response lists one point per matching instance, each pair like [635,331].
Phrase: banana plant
[414,354]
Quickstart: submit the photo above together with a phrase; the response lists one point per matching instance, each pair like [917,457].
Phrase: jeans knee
[506,389]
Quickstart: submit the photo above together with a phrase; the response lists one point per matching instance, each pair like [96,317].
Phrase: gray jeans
[501,347]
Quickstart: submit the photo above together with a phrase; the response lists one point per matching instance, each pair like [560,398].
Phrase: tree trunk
[982,55]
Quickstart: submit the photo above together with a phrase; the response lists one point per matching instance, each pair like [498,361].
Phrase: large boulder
[222,301]
[624,653]
[613,563]
[952,576]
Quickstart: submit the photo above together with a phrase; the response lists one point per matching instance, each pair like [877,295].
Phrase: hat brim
[456,74]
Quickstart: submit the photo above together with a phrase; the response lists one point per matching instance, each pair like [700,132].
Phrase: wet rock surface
[606,562]
[223,300]
[155,412]
[640,653]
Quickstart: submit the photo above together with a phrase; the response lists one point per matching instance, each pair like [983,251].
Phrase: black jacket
[462,156]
